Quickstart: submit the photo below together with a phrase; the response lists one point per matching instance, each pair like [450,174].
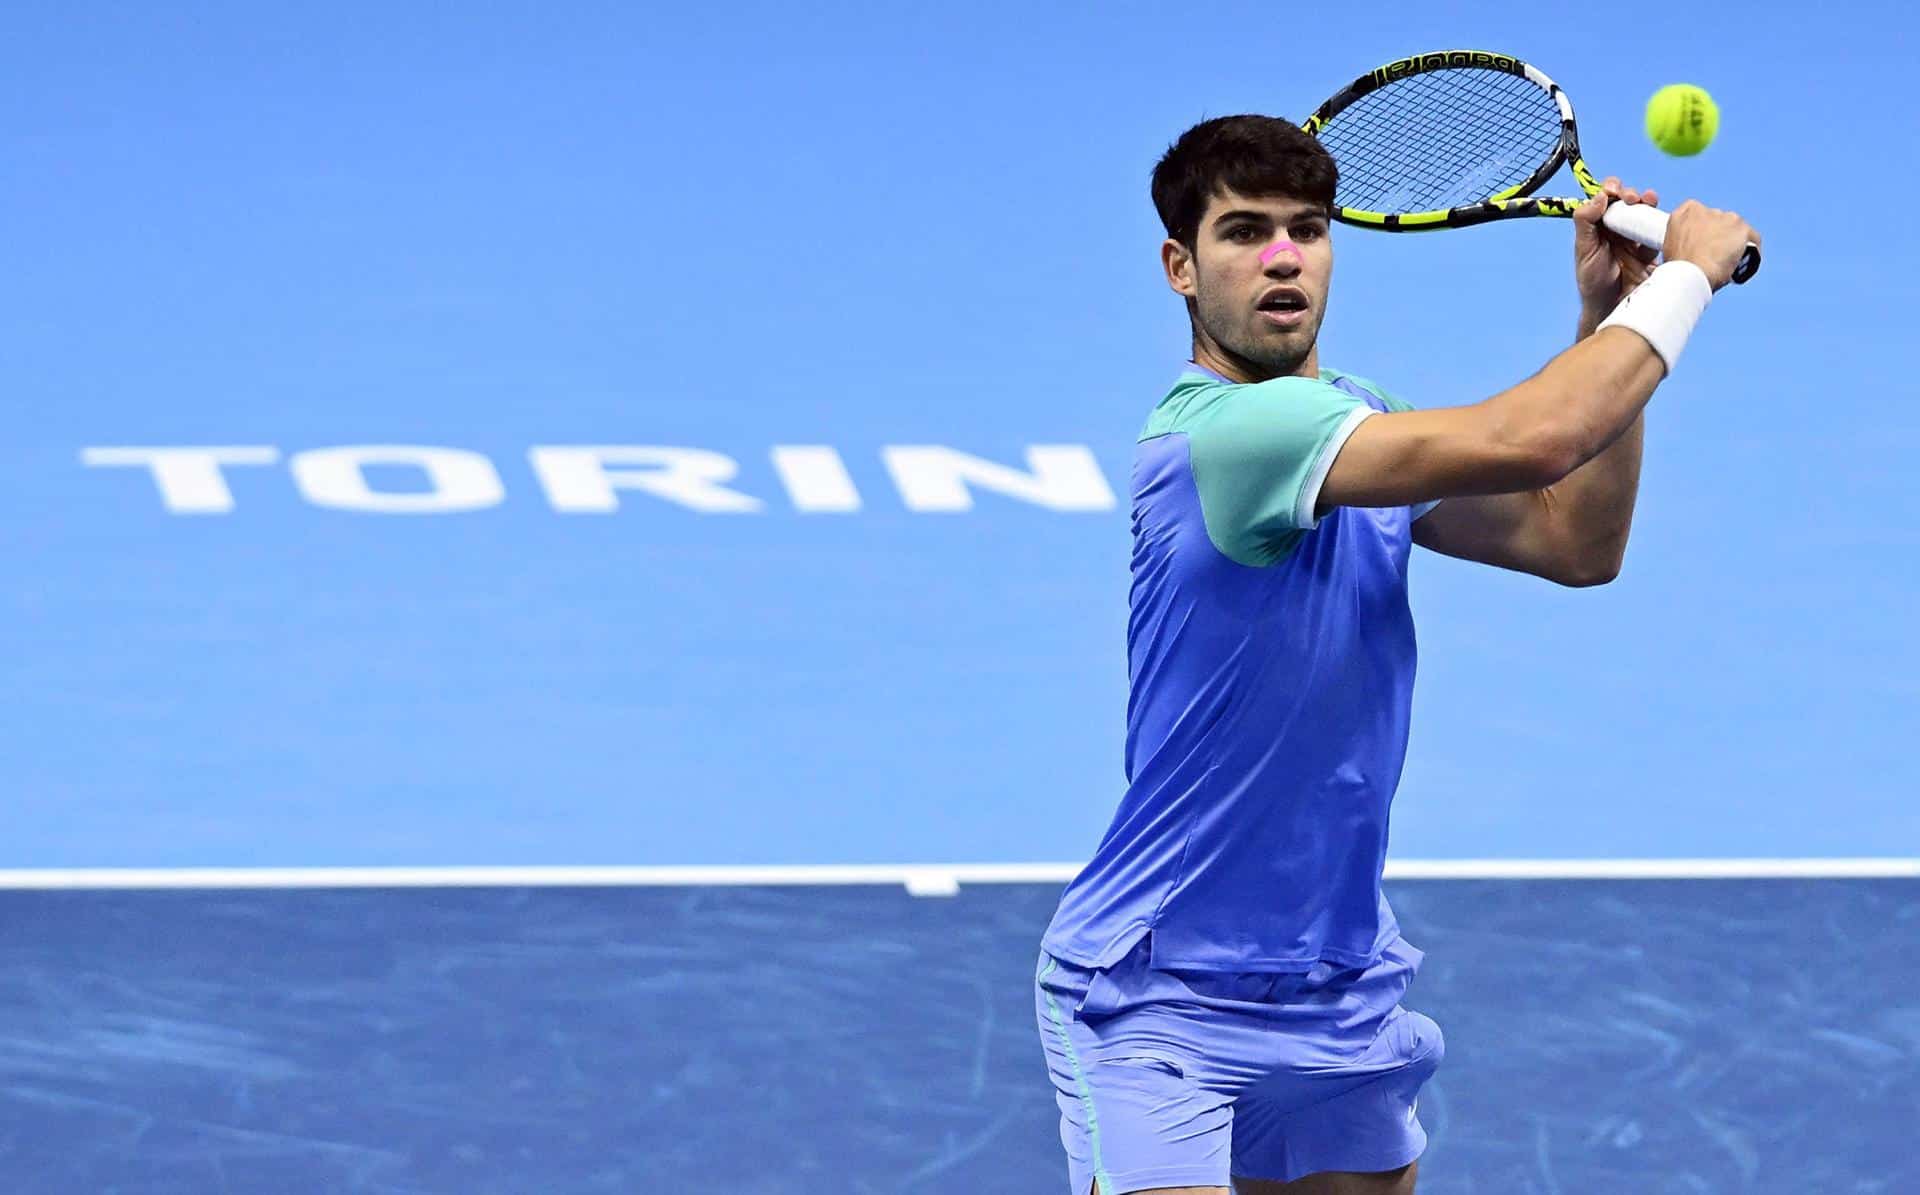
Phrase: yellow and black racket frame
[1504,205]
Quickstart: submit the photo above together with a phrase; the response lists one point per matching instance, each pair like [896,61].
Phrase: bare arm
[1542,477]
[1524,438]
[1573,532]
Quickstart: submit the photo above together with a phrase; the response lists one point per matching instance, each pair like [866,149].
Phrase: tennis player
[1219,994]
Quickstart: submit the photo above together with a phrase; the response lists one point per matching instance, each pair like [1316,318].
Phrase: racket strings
[1449,138]
[1440,140]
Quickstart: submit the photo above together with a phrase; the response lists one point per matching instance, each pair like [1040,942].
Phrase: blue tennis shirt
[1271,660]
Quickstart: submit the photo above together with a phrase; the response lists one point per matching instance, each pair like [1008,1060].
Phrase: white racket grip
[1648,226]
[1637,222]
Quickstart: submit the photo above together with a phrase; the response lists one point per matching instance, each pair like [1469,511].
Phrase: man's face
[1258,277]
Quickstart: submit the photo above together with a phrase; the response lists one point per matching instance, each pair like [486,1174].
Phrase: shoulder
[1200,404]
[1393,402]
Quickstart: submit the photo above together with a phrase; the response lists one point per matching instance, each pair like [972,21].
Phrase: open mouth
[1283,301]
[1283,308]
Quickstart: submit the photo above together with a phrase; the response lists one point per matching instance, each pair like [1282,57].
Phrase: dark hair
[1253,155]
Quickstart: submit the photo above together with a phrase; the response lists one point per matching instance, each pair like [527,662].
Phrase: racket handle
[1648,226]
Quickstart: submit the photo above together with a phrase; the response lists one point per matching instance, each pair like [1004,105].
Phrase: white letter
[189,478]
[579,482]
[460,480]
[1063,477]
[816,477]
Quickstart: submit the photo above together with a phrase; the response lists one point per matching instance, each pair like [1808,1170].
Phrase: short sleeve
[1260,457]
[1395,404]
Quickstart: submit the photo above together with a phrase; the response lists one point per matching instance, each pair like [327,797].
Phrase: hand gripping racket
[1459,137]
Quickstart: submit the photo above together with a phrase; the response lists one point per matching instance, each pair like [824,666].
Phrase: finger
[1589,213]
[1611,185]
[1625,248]
[1649,198]
[1629,195]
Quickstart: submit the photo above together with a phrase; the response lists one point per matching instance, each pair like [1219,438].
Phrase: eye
[1309,232]
[1243,234]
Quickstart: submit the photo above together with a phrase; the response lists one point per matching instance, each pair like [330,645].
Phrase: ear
[1177,260]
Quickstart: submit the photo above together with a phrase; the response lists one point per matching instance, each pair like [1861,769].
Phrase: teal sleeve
[1394,404]
[1419,510]
[1259,456]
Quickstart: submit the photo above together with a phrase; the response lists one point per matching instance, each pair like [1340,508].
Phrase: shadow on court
[1603,1036]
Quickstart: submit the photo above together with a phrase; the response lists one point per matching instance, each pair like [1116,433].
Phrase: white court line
[921,879]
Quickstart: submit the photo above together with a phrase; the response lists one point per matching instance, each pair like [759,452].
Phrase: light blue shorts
[1183,1078]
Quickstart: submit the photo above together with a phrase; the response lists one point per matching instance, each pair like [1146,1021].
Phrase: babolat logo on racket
[1445,60]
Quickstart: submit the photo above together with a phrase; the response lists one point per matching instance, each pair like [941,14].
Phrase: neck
[1234,367]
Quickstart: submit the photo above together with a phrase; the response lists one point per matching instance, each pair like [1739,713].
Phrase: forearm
[1582,403]
[1594,503]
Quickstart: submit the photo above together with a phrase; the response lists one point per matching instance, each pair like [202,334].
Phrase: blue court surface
[688,449]
[1654,1035]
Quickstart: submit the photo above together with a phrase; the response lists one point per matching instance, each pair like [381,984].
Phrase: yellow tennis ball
[1682,119]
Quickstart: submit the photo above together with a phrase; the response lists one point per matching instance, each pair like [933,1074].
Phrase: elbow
[1591,569]
[1587,576]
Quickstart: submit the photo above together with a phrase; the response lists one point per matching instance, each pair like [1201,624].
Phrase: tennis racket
[1460,137]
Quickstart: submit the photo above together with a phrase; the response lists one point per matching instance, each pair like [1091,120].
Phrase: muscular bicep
[1514,531]
[1411,457]
[1527,437]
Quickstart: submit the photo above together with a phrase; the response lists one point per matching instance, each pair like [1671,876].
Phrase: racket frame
[1515,201]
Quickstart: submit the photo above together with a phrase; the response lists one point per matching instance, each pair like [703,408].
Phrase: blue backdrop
[857,228]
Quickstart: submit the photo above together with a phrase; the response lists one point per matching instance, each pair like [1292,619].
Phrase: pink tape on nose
[1279,247]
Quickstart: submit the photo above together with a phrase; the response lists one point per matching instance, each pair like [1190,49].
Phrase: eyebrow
[1241,214]
[1263,217]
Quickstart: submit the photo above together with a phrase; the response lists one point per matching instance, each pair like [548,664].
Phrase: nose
[1283,254]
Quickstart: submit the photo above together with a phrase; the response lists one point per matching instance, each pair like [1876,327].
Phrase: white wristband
[1664,308]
